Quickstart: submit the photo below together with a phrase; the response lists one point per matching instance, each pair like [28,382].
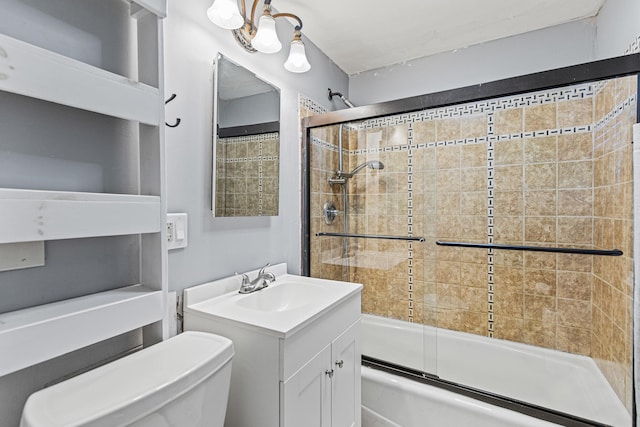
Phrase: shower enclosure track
[611,252]
[371,236]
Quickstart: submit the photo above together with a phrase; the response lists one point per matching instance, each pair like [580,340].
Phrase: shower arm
[358,168]
[373,164]
[342,97]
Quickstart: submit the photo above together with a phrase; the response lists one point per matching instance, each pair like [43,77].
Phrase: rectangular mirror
[246,142]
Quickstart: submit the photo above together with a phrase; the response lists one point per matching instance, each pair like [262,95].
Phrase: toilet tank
[181,382]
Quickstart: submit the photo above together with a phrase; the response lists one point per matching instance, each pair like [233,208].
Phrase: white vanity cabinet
[297,368]
[326,391]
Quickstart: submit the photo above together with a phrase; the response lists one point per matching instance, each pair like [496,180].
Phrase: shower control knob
[339,363]
[329,372]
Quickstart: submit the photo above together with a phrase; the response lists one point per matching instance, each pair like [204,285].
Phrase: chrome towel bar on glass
[611,252]
[371,236]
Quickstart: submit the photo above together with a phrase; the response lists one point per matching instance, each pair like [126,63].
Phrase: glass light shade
[266,39]
[225,14]
[297,61]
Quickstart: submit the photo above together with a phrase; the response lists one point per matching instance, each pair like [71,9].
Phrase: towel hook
[171,98]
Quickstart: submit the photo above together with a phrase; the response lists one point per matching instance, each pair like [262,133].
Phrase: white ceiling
[361,35]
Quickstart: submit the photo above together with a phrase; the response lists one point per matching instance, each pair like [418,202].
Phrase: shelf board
[157,7]
[38,73]
[33,215]
[37,334]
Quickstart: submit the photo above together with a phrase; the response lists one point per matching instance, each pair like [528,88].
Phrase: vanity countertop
[289,303]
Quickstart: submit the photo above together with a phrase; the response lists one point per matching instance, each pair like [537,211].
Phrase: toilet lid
[131,387]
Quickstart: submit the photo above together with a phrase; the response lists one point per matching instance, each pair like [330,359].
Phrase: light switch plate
[177,230]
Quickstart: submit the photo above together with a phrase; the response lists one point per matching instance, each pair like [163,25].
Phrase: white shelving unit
[33,215]
[36,334]
[39,73]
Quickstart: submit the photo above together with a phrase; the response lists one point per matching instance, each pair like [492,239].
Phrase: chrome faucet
[261,281]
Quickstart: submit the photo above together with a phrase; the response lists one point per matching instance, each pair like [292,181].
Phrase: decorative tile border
[259,158]
[582,91]
[326,145]
[470,141]
[616,111]
[249,138]
[634,47]
[311,105]
[490,217]
[410,222]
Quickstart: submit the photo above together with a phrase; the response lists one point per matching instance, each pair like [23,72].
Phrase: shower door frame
[605,69]
[611,68]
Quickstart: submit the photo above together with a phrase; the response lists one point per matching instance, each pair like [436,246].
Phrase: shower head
[375,164]
[372,164]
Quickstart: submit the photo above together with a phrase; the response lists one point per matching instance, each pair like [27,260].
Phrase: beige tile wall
[549,172]
[613,215]
[543,196]
[247,175]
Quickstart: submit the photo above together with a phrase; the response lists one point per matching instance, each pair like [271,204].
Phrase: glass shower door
[553,171]
[368,236]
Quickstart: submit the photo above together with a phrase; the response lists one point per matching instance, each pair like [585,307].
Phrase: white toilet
[180,382]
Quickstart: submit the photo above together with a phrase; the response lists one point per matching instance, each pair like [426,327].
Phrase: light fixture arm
[290,15]
[249,25]
[253,13]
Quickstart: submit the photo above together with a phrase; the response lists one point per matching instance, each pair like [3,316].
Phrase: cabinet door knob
[329,372]
[339,363]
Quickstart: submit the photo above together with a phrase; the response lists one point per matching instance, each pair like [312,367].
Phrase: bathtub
[565,382]
[392,401]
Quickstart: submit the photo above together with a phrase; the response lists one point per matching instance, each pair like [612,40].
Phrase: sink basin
[285,297]
[286,306]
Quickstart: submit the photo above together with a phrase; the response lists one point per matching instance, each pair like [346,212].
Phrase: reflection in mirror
[246,118]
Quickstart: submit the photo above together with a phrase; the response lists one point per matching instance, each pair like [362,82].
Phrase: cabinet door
[306,396]
[345,384]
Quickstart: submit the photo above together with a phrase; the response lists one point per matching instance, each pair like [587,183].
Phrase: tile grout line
[260,177]
[410,291]
[490,213]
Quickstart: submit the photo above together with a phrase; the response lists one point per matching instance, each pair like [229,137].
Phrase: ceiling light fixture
[261,37]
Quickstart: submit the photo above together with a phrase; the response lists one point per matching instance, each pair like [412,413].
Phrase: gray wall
[607,35]
[618,24]
[540,50]
[220,246]
[249,110]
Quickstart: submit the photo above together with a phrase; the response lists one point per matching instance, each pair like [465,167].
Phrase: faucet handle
[261,272]
[245,278]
